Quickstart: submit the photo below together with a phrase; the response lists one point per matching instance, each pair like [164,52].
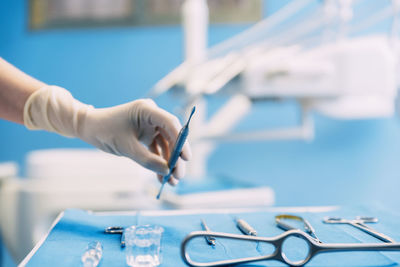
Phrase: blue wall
[349,162]
[103,67]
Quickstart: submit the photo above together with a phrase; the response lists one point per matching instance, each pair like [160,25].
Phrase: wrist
[53,109]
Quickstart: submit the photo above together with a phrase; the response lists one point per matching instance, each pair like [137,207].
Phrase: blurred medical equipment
[279,220]
[143,245]
[245,228]
[281,250]
[360,223]
[92,255]
[230,198]
[116,230]
[209,239]
[313,52]
[176,151]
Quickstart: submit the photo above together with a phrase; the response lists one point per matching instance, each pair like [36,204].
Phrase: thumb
[148,159]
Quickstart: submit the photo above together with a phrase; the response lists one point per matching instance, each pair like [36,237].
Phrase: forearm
[139,130]
[15,88]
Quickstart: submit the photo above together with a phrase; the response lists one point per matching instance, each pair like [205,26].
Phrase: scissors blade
[307,226]
[373,232]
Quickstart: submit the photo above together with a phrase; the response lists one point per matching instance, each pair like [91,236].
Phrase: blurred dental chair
[8,171]
[59,179]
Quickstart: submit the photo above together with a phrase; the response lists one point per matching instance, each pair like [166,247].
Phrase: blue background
[348,162]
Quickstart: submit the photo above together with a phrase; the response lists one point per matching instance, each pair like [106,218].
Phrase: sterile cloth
[67,240]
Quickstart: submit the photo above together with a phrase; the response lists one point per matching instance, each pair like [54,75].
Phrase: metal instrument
[176,152]
[279,219]
[278,254]
[209,239]
[116,230]
[245,227]
[359,223]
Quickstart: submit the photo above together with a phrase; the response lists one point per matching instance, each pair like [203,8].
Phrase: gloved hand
[138,130]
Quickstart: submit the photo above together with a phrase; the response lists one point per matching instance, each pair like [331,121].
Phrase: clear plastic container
[143,245]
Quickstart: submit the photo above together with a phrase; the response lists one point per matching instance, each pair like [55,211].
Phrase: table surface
[74,229]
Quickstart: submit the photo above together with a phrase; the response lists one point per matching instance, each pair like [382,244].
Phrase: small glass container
[92,255]
[143,245]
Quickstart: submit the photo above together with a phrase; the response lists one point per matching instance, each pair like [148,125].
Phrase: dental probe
[209,239]
[176,152]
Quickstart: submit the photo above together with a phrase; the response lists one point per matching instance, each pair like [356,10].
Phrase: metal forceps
[359,223]
[278,254]
[116,230]
[284,226]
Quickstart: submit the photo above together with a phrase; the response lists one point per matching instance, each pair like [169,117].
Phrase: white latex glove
[139,130]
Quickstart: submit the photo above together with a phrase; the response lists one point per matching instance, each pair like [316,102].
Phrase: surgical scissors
[278,254]
[359,223]
[284,226]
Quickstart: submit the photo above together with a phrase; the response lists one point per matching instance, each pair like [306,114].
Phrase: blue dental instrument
[176,152]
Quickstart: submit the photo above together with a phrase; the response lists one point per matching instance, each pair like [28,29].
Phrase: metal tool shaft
[373,232]
[176,152]
[209,239]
